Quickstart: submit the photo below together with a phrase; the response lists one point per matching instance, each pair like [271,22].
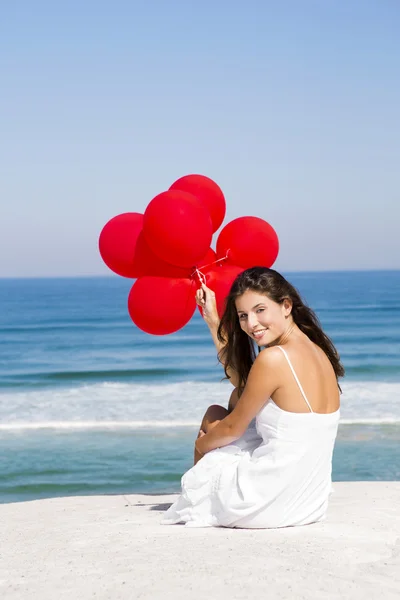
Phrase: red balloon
[148,263]
[220,280]
[248,242]
[177,227]
[161,305]
[206,190]
[207,262]
[117,243]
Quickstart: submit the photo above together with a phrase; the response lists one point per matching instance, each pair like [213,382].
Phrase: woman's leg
[213,415]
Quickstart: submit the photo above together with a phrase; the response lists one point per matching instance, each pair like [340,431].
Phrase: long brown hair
[239,352]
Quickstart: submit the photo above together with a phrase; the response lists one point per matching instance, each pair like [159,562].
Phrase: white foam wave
[389,421]
[100,425]
[129,404]
[114,402]
[119,425]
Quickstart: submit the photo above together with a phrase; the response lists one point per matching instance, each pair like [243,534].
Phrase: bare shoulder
[267,372]
[270,357]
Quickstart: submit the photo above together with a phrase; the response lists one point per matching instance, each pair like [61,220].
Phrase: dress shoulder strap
[296,378]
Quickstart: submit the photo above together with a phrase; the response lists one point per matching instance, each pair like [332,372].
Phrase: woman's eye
[241,317]
[260,310]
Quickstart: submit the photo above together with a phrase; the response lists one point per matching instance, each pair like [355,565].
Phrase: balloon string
[201,275]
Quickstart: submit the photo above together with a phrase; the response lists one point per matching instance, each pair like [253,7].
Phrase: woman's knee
[213,414]
[215,408]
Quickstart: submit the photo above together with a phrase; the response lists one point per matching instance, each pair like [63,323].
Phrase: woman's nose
[252,321]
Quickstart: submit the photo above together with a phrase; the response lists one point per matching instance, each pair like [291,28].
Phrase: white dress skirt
[278,474]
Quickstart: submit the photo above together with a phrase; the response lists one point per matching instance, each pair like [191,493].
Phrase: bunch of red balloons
[167,250]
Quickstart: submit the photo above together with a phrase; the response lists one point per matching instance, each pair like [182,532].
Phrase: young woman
[267,460]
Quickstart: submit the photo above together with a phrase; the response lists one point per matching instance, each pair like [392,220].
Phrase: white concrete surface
[113,547]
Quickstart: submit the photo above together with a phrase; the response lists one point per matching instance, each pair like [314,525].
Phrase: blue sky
[292,107]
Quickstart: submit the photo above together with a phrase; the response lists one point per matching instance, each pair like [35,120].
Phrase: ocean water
[90,404]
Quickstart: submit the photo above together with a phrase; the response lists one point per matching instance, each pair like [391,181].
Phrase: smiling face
[261,318]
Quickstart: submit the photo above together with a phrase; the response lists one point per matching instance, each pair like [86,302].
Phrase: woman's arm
[232,374]
[262,382]
[206,299]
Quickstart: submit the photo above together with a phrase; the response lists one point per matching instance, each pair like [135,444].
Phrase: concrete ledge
[113,547]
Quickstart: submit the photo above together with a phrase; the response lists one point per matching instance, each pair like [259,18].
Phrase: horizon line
[113,276]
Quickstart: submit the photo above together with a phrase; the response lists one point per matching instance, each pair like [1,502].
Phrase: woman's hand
[206,299]
[197,454]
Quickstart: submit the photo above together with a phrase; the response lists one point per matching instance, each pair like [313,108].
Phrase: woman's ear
[287,307]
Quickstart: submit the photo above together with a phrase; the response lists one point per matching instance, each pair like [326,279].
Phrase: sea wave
[179,402]
[370,369]
[52,378]
[380,307]
[99,425]
[117,425]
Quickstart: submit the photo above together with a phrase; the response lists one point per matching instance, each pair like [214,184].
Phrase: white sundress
[278,474]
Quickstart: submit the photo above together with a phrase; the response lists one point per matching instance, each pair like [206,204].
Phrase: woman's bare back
[315,374]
